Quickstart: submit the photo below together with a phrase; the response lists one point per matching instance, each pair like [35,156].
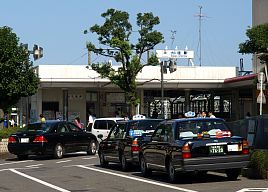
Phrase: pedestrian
[12,122]
[42,118]
[117,114]
[155,114]
[204,114]
[90,121]
[248,115]
[210,114]
[78,123]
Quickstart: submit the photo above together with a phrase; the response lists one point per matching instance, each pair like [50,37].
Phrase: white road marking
[254,190]
[64,161]
[16,162]
[137,179]
[39,181]
[34,165]
[89,158]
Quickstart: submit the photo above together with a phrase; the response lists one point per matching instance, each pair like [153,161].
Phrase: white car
[103,125]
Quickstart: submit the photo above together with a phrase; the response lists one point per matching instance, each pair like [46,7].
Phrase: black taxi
[124,141]
[194,145]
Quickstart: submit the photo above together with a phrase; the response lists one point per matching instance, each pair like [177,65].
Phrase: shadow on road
[185,178]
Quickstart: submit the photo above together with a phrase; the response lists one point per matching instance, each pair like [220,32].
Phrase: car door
[74,136]
[150,151]
[110,145]
[164,145]
[118,142]
[64,136]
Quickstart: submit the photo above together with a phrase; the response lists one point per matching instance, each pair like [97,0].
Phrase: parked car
[52,138]
[194,145]
[102,126]
[124,140]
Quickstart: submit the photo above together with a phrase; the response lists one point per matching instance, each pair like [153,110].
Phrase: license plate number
[24,140]
[216,149]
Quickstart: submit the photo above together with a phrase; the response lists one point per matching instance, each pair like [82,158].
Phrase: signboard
[174,54]
[261,98]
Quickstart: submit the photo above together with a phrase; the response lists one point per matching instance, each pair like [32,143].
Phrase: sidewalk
[7,155]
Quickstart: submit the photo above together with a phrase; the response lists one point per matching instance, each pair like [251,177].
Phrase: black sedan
[124,141]
[194,145]
[51,138]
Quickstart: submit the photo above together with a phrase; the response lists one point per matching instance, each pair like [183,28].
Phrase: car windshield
[192,128]
[39,127]
[139,128]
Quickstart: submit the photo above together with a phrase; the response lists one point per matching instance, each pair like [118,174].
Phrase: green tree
[257,43]
[17,76]
[115,35]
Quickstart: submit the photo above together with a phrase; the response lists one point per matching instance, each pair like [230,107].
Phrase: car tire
[171,172]
[92,148]
[58,151]
[232,174]
[124,164]
[22,157]
[145,171]
[103,162]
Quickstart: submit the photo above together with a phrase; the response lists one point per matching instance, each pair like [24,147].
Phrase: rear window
[193,128]
[139,128]
[40,127]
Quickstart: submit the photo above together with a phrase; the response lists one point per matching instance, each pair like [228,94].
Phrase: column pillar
[65,104]
[187,100]
[235,105]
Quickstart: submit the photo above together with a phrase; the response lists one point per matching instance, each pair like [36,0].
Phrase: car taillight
[12,139]
[245,148]
[186,152]
[135,146]
[40,139]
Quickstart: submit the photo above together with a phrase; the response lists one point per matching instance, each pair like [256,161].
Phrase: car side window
[110,124]
[62,128]
[100,124]
[118,132]
[157,134]
[73,128]
[168,134]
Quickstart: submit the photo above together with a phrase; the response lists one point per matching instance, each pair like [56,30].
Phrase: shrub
[5,132]
[259,161]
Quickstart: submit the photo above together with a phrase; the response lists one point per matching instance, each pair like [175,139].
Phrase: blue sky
[58,25]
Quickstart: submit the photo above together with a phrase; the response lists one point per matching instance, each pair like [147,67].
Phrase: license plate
[234,147]
[24,140]
[216,149]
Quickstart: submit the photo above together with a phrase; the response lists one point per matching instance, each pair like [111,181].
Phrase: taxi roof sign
[189,114]
[138,116]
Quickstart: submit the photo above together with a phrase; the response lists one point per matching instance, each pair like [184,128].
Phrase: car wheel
[92,148]
[172,172]
[103,162]
[232,174]
[58,151]
[22,157]
[145,171]
[124,164]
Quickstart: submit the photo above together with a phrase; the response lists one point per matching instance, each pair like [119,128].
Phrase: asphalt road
[82,173]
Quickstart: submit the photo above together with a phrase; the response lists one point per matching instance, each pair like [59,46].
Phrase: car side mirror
[100,136]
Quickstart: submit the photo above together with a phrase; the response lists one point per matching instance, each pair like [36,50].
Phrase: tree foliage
[115,35]
[257,42]
[17,76]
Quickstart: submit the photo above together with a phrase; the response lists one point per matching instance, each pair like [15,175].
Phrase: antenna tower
[200,16]
[173,33]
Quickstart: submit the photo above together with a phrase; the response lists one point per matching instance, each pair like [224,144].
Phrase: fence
[254,129]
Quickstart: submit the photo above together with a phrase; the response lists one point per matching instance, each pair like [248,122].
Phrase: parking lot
[79,172]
